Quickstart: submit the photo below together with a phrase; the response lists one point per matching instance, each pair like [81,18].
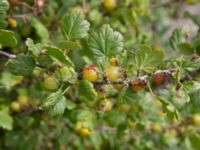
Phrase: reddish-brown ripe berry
[158,78]
[138,85]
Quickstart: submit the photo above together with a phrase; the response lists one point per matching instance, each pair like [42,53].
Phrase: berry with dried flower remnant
[105,105]
[90,72]
[114,61]
[139,85]
[158,78]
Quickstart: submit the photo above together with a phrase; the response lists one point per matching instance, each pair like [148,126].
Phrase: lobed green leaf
[7,38]
[105,42]
[6,121]
[147,58]
[22,65]
[86,91]
[74,26]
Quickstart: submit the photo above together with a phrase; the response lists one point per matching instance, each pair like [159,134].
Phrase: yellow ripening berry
[131,123]
[91,104]
[15,106]
[50,83]
[90,73]
[100,95]
[113,73]
[172,132]
[114,61]
[196,119]
[105,105]
[156,127]
[79,125]
[110,4]
[138,85]
[77,9]
[23,100]
[12,22]
[84,132]
[123,107]
[137,88]
[119,86]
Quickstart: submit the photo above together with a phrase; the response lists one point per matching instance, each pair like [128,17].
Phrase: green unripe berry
[15,106]
[105,105]
[113,73]
[50,83]
[23,100]
[196,119]
[156,127]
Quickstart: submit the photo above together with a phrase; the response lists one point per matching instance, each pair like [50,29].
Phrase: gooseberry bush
[104,77]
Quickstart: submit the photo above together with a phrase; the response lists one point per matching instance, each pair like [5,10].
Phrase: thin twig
[5,54]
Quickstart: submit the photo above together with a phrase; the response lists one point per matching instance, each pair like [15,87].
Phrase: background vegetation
[99,74]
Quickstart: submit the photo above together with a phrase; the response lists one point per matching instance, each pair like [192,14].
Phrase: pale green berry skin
[15,106]
[50,83]
[112,73]
[105,105]
[196,119]
[23,100]
[156,127]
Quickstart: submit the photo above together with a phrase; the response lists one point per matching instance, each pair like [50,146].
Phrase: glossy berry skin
[156,127]
[114,61]
[131,123]
[23,100]
[12,22]
[105,105]
[50,83]
[112,73]
[90,73]
[84,132]
[158,78]
[196,119]
[138,85]
[123,107]
[79,125]
[110,4]
[15,106]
